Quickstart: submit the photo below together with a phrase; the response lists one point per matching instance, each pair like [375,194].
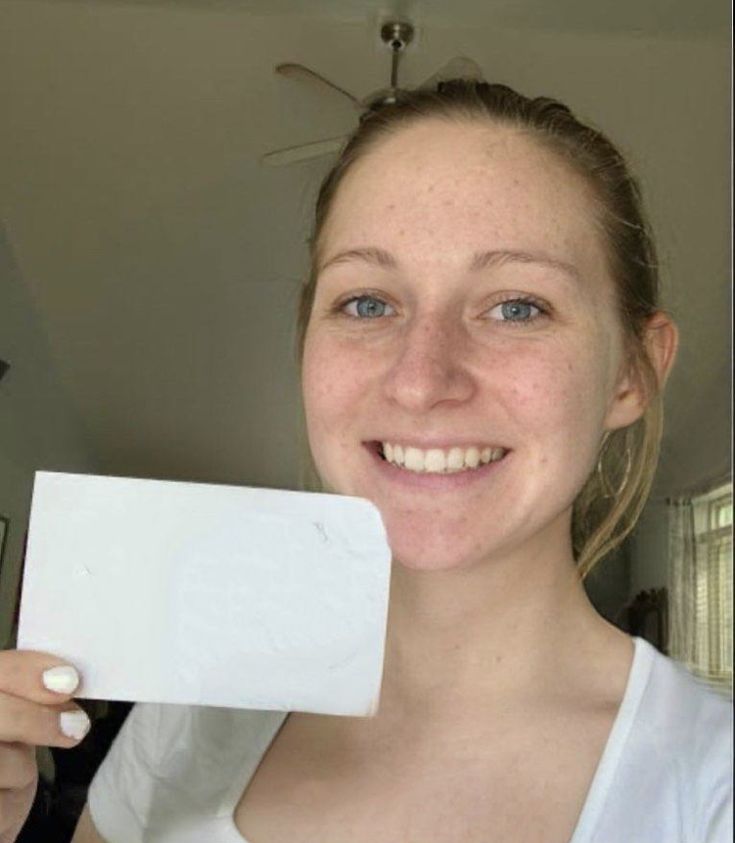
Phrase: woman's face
[463,356]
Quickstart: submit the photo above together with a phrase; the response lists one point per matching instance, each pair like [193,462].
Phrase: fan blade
[302,152]
[298,71]
[460,67]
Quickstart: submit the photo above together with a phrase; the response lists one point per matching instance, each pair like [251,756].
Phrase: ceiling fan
[396,35]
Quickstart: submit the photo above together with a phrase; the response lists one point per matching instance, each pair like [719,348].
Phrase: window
[701,585]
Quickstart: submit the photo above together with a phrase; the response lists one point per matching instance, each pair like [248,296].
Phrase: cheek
[316,383]
[557,393]
[331,390]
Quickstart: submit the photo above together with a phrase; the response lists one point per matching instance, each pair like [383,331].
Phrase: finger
[41,725]
[37,676]
[17,766]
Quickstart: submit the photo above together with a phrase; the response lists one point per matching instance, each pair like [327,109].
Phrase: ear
[631,396]
[662,343]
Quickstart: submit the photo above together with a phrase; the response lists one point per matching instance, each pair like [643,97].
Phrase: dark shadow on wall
[608,584]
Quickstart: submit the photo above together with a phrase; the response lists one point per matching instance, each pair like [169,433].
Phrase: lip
[432,482]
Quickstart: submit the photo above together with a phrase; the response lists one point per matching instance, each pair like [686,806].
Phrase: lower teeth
[444,471]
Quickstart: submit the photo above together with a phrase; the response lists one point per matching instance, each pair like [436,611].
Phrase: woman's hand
[35,710]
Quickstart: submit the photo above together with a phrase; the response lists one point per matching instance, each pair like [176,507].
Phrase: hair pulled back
[611,500]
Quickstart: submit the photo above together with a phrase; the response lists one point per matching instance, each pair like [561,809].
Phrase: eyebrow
[480,260]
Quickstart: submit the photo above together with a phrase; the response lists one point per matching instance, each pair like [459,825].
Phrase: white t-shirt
[176,773]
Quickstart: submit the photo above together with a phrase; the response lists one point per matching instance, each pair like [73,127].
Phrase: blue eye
[366,307]
[517,310]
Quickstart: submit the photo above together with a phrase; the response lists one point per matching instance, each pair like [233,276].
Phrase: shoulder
[171,758]
[180,742]
[684,729]
[684,710]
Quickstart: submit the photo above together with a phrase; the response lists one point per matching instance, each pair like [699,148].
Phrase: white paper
[173,592]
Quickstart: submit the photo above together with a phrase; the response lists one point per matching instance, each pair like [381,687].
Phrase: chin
[432,550]
[428,564]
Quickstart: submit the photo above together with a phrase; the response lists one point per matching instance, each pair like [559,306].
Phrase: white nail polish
[62,679]
[74,724]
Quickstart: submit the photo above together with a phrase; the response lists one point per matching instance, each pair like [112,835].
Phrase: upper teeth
[437,461]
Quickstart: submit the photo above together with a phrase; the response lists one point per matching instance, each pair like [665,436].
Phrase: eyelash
[543,309]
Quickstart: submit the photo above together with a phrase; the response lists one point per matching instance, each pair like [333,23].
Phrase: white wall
[38,428]
[162,253]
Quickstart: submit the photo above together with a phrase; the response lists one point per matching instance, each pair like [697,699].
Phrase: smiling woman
[482,357]
[586,163]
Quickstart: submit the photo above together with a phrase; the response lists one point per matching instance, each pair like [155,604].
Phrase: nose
[430,365]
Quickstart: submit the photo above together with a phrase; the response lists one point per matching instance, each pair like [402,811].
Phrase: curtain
[700,578]
[683,582]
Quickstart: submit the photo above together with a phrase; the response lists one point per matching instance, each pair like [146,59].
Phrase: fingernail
[74,724]
[63,679]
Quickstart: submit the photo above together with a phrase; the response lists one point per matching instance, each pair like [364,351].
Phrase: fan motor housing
[396,34]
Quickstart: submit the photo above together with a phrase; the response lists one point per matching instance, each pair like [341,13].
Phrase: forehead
[438,189]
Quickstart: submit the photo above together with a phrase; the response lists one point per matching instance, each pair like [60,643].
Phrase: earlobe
[629,401]
[631,398]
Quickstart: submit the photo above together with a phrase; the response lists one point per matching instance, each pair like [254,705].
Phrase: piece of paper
[171,592]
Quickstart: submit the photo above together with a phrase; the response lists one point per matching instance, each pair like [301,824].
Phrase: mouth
[441,461]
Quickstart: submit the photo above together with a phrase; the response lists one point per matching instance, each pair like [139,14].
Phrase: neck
[499,632]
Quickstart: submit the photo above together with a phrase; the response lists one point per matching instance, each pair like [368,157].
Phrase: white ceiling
[653,17]
[164,259]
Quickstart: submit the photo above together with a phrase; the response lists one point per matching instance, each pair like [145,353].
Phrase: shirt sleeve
[720,820]
[121,791]
[717,816]
[716,783]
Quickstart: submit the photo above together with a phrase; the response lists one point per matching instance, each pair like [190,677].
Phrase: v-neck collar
[594,803]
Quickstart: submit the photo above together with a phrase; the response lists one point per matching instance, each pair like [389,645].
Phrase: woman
[482,357]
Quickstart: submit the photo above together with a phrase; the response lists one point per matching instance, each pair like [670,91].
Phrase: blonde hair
[610,502]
